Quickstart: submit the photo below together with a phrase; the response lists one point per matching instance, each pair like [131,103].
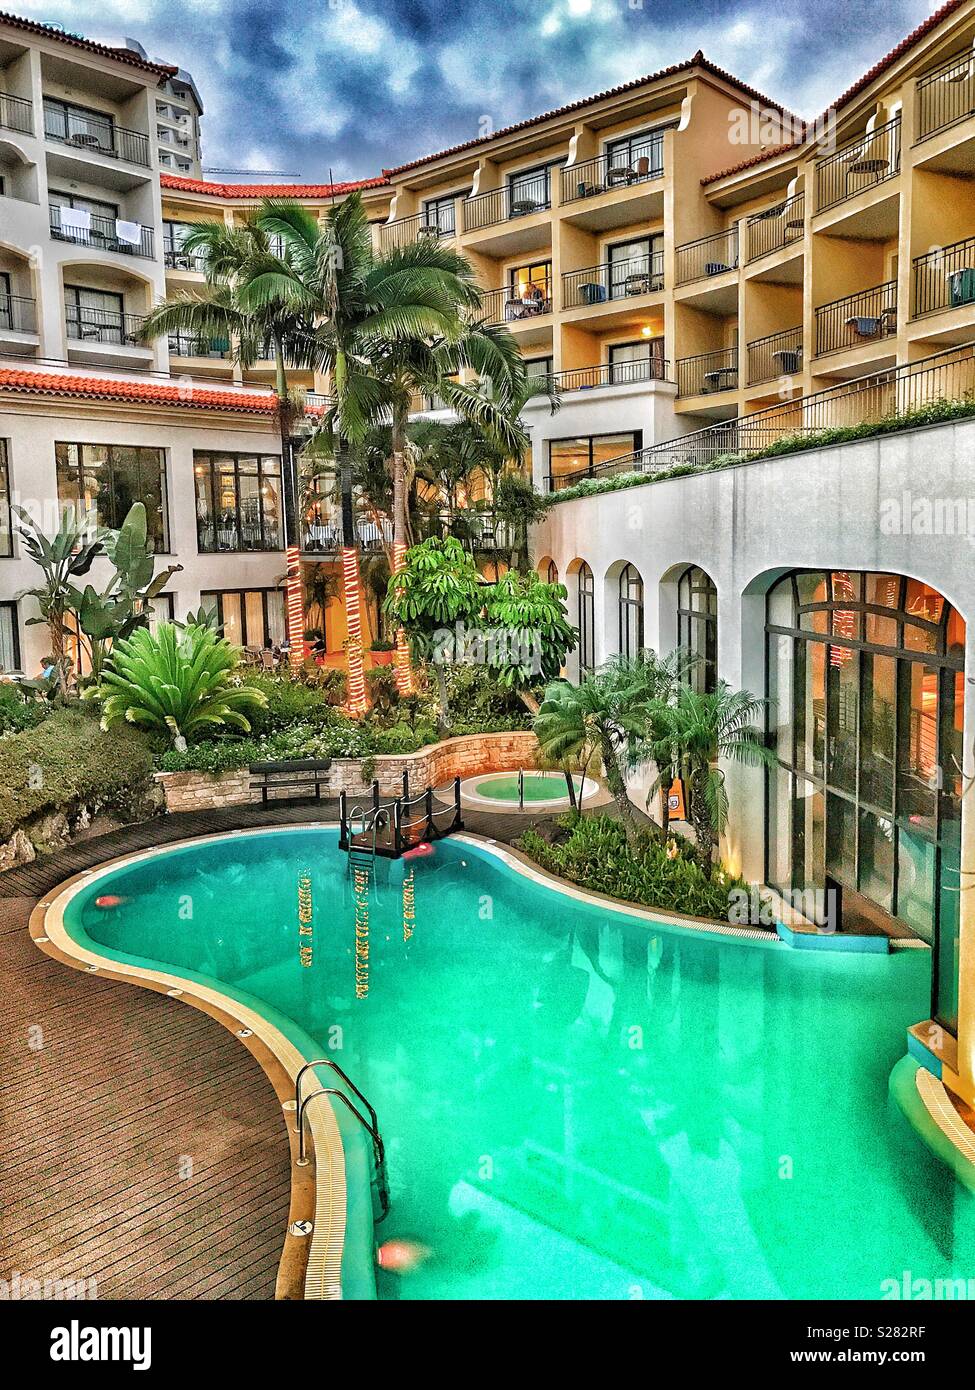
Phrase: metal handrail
[328,1062]
[378,1148]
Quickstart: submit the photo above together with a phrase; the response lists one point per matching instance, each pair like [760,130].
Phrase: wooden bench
[301,778]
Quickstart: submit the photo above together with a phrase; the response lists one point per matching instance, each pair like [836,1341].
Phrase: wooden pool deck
[141,1147]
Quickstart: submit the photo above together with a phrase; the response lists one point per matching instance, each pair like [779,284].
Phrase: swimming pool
[575,1103]
[498,791]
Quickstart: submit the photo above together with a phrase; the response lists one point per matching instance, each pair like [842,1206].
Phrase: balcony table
[866,165]
[722,379]
[790,360]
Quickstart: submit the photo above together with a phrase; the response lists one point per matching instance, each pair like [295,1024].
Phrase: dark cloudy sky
[302,86]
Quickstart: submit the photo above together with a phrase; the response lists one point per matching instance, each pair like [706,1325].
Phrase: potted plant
[383,652]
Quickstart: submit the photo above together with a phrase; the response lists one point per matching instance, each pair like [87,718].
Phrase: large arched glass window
[631,611]
[866,691]
[585,619]
[697,626]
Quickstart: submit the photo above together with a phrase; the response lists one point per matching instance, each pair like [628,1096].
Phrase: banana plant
[176,680]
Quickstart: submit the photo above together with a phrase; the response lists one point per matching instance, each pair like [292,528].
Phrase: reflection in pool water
[577,1104]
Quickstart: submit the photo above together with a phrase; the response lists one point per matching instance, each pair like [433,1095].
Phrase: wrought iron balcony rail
[175,258]
[708,372]
[102,325]
[863,163]
[405,230]
[616,280]
[857,319]
[18,313]
[502,204]
[946,95]
[102,235]
[97,134]
[508,305]
[944,279]
[648,368]
[776,227]
[778,354]
[708,256]
[189,345]
[16,113]
[605,172]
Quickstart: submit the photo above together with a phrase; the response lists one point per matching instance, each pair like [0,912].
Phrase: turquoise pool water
[538,786]
[576,1105]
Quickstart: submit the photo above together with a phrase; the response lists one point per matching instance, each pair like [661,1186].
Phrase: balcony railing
[860,164]
[405,230]
[189,345]
[599,175]
[708,256]
[780,354]
[512,306]
[102,325]
[708,372]
[615,280]
[896,391]
[18,313]
[944,279]
[103,235]
[97,134]
[322,533]
[175,258]
[503,204]
[776,227]
[945,96]
[611,374]
[857,319]
[16,113]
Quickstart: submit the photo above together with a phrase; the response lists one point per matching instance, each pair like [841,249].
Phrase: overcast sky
[304,86]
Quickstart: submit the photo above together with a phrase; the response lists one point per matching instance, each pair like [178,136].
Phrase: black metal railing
[322,532]
[778,354]
[708,256]
[599,175]
[405,230]
[776,227]
[191,345]
[944,279]
[857,319]
[175,258]
[648,368]
[893,392]
[16,113]
[863,163]
[501,204]
[102,234]
[97,134]
[946,95]
[102,325]
[708,372]
[508,305]
[613,280]
[18,313]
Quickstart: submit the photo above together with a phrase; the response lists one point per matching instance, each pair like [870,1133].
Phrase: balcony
[708,373]
[105,337]
[503,204]
[507,305]
[779,354]
[944,279]
[776,227]
[16,113]
[322,532]
[597,284]
[859,165]
[18,323]
[95,134]
[175,258]
[187,345]
[607,173]
[405,230]
[707,257]
[857,319]
[945,96]
[102,234]
[611,374]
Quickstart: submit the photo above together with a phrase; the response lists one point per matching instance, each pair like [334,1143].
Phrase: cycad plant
[176,680]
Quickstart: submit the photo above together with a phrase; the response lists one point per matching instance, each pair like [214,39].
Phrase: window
[636,267]
[697,627]
[551,573]
[439,216]
[529,191]
[629,153]
[630,611]
[94,315]
[9,638]
[6,546]
[248,617]
[866,689]
[107,478]
[586,620]
[639,361]
[78,125]
[540,367]
[6,304]
[238,501]
[572,459]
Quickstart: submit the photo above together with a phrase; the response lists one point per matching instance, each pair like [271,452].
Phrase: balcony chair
[790,360]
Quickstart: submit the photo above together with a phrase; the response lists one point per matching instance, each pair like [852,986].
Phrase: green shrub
[68,760]
[595,855]
[18,713]
[290,701]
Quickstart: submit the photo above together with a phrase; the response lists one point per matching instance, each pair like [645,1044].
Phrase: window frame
[115,521]
[236,457]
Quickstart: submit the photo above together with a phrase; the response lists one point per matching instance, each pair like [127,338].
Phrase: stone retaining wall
[467,756]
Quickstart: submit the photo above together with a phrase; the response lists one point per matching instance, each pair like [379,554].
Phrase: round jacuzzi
[531,791]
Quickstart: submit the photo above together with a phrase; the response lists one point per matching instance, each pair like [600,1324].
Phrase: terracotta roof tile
[190,395]
[266,190]
[122,55]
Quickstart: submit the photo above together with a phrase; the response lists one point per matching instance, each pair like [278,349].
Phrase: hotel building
[701,276]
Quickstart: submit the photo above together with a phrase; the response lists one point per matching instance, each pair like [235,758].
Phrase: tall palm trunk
[295,598]
[351,587]
[404,673]
[616,784]
[700,816]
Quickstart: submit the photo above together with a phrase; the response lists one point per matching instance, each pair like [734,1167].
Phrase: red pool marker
[401,1256]
[421,851]
[109,900]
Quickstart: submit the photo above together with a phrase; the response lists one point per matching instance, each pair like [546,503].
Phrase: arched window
[631,611]
[866,692]
[697,626]
[585,619]
[551,573]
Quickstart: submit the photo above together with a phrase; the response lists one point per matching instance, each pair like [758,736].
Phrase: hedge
[68,761]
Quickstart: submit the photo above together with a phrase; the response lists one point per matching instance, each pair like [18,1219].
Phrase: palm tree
[690,735]
[245,301]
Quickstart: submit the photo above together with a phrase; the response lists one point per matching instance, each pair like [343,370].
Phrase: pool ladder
[371,1126]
